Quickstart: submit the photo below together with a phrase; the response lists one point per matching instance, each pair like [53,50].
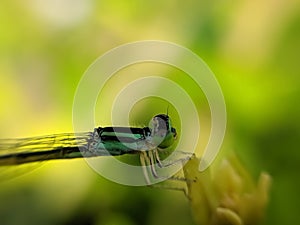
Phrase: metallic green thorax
[123,140]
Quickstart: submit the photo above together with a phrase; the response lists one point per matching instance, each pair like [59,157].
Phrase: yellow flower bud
[228,196]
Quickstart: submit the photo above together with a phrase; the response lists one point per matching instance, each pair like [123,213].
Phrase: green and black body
[104,141]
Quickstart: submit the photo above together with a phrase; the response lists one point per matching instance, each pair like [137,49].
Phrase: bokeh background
[45,47]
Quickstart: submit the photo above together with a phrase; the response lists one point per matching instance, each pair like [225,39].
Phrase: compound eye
[160,126]
[163,135]
[173,130]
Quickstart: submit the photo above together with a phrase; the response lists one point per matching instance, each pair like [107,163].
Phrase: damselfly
[103,141]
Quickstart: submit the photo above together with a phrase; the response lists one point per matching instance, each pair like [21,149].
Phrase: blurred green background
[45,47]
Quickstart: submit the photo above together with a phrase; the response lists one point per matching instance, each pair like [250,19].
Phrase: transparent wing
[19,156]
[43,143]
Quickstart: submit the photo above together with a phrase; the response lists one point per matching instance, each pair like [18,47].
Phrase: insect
[103,141]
